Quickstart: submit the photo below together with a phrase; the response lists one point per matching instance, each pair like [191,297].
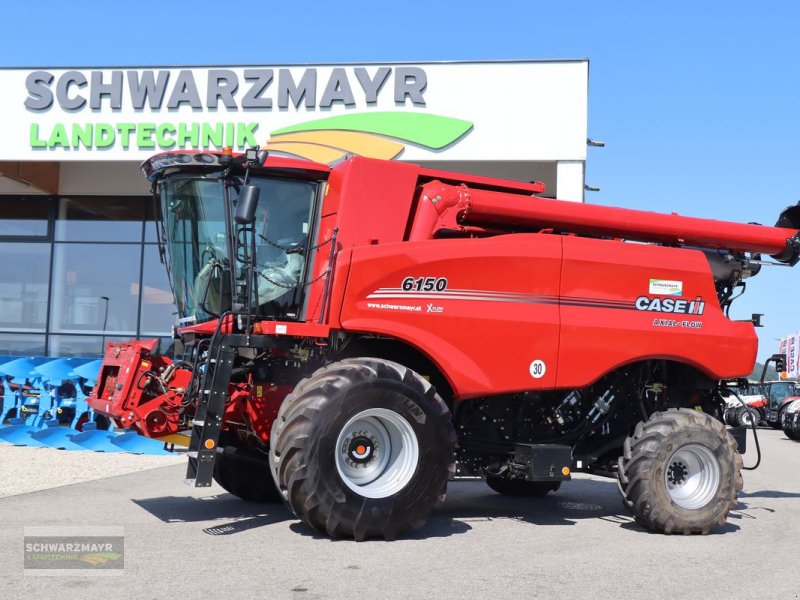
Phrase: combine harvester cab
[356,335]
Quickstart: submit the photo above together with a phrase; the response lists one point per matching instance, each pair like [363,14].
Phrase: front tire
[363,448]
[680,472]
[789,429]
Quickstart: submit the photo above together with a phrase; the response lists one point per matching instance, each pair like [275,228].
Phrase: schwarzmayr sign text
[164,93]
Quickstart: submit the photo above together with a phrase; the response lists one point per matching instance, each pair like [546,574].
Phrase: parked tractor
[744,402]
[356,336]
[790,420]
[779,395]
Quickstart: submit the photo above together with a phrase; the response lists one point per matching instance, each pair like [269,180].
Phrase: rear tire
[680,472]
[364,448]
[522,489]
[749,417]
[246,479]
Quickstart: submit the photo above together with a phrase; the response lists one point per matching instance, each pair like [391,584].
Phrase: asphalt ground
[576,543]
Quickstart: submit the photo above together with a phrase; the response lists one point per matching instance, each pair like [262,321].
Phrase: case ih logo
[671,305]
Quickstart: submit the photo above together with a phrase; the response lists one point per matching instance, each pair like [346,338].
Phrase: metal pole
[105,322]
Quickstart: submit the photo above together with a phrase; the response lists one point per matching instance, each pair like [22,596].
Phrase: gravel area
[24,470]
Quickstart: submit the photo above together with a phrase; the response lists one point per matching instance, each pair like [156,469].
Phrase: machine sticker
[537,369]
[671,305]
[424,284]
[386,306]
[676,323]
[439,290]
[665,287]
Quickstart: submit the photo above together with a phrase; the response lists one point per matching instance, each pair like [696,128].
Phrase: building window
[95,288]
[158,308]
[24,217]
[81,345]
[152,215]
[21,344]
[24,276]
[115,219]
[78,272]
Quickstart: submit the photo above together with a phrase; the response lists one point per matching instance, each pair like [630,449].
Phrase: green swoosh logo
[424,129]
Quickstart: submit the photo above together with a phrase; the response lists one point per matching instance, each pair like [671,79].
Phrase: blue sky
[697,102]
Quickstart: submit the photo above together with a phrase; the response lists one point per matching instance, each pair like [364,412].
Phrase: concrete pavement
[579,542]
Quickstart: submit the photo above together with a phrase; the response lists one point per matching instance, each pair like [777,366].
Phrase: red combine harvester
[355,336]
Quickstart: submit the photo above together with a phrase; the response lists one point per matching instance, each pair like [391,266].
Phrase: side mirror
[246,207]
[780,365]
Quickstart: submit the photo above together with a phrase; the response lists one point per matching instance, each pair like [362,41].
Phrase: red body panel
[596,339]
[498,313]
[566,301]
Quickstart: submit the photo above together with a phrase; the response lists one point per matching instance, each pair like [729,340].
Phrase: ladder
[207,420]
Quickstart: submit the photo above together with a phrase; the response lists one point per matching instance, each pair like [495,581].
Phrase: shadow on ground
[769,494]
[467,502]
[473,502]
[235,515]
[576,500]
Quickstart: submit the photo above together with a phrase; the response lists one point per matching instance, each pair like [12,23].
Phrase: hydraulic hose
[755,434]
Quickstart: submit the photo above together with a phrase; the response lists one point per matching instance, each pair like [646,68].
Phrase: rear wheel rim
[377,453]
[692,476]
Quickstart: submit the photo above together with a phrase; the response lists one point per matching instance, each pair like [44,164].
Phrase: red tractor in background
[779,395]
[355,336]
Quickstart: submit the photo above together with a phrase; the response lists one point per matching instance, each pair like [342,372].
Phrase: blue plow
[43,404]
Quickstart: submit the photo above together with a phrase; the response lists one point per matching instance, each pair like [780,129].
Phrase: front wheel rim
[692,476]
[377,453]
